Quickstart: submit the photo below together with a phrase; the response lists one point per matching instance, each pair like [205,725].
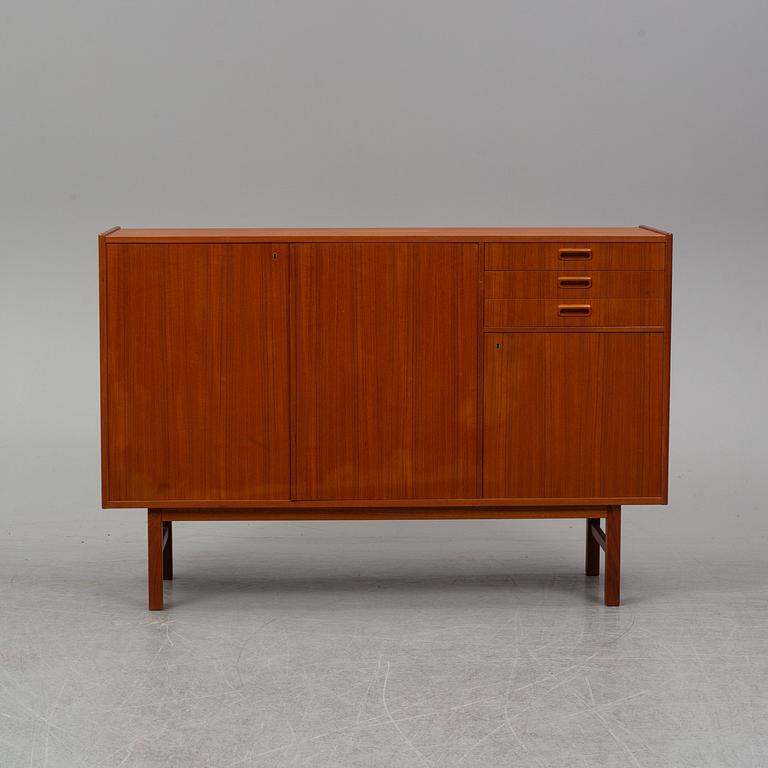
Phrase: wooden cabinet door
[196,368]
[386,369]
[574,416]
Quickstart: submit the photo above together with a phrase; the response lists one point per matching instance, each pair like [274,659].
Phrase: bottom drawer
[542,313]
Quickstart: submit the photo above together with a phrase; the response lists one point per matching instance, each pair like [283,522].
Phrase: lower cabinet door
[386,370]
[195,379]
[574,415]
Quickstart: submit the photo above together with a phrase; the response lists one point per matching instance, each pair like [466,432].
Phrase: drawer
[575,256]
[542,313]
[567,285]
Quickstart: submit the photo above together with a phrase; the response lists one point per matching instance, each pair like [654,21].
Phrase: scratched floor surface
[373,644]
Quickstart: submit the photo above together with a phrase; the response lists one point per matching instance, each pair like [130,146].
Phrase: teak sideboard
[358,374]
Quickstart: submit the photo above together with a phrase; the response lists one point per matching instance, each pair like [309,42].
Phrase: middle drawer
[561,284]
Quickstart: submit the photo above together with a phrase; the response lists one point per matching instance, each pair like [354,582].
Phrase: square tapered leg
[613,556]
[155,559]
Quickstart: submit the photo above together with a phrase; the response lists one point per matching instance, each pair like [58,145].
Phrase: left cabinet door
[195,362]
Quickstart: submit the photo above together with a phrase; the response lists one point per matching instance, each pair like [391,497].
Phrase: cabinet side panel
[197,372]
[103,392]
[666,362]
[386,370]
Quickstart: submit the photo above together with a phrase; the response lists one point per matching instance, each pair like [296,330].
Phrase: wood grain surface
[385,369]
[391,367]
[562,284]
[387,234]
[548,255]
[539,313]
[573,415]
[436,512]
[196,358]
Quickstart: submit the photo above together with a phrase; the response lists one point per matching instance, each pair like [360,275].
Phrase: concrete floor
[382,644]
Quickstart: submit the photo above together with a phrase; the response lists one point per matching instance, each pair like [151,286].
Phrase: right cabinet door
[574,416]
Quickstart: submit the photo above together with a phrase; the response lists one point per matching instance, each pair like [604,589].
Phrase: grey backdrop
[390,113]
[291,644]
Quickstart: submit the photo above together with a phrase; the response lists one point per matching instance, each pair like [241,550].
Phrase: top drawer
[574,256]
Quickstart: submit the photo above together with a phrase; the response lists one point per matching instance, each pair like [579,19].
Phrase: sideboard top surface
[374,234]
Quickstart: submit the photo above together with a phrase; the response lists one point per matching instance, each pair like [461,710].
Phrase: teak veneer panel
[574,415]
[385,371]
[387,234]
[196,370]
[467,505]
[613,255]
[603,284]
[538,313]
[435,512]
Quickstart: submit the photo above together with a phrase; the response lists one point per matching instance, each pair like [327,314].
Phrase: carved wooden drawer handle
[574,282]
[574,310]
[575,254]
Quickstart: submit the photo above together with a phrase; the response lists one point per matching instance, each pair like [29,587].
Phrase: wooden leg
[613,556]
[592,558]
[167,550]
[155,559]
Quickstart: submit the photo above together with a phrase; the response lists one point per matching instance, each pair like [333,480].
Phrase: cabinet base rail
[160,533]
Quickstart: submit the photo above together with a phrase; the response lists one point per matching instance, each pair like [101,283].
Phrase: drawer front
[566,285]
[575,256]
[579,312]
